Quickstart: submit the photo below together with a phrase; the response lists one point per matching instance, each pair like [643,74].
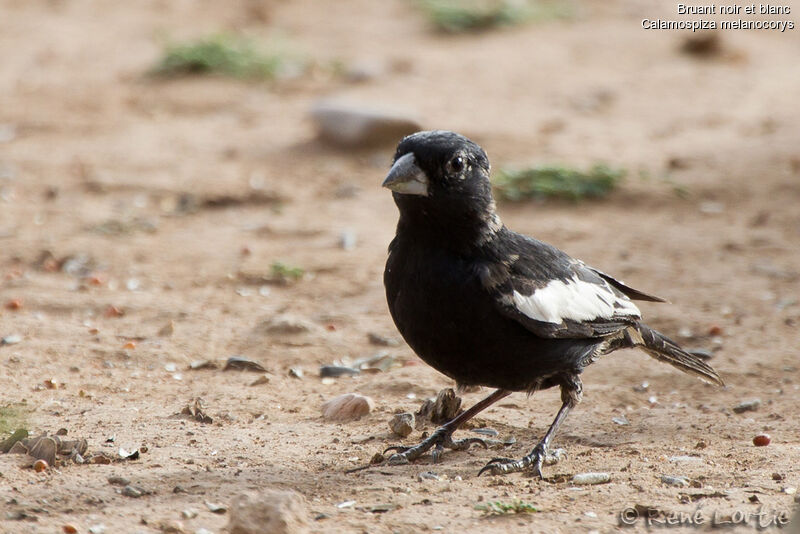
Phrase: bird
[487,306]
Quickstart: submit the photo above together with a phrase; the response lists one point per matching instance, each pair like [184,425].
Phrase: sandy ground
[95,157]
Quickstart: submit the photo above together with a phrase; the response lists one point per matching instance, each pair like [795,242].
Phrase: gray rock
[747,406]
[133,491]
[402,424]
[679,481]
[335,371]
[274,511]
[354,125]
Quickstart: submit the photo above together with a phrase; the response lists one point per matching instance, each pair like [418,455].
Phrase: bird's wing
[554,295]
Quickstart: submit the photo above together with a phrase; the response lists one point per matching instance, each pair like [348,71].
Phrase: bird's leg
[443,436]
[571,388]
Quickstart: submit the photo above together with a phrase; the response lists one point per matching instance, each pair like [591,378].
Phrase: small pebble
[69,529]
[172,527]
[747,406]
[336,371]
[118,481]
[202,364]
[347,124]
[11,340]
[762,440]
[585,479]
[383,341]
[240,363]
[621,420]
[97,529]
[347,407]
[40,466]
[347,240]
[189,513]
[132,491]
[296,372]
[14,304]
[402,424]
[263,379]
[428,475]
[215,508]
[680,481]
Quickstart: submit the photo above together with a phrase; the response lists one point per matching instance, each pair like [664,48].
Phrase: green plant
[286,273]
[502,508]
[457,16]
[548,181]
[224,54]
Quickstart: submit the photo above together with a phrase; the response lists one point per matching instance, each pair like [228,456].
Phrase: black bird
[488,306]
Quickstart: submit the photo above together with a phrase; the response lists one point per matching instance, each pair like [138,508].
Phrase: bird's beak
[406,177]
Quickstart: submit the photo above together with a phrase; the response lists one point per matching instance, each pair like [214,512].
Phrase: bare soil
[98,161]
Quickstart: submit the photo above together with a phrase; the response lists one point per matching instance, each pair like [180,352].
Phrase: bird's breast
[441,306]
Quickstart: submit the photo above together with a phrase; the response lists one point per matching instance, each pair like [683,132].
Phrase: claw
[438,441]
[436,453]
[533,461]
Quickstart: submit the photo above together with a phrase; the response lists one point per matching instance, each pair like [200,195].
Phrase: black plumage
[487,306]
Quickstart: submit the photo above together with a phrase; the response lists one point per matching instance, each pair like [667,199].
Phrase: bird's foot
[441,438]
[534,461]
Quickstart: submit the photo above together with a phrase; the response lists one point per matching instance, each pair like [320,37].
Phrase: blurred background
[183,180]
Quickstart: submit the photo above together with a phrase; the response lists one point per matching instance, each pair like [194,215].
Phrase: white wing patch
[573,299]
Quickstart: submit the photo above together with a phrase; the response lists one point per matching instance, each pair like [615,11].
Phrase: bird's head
[441,178]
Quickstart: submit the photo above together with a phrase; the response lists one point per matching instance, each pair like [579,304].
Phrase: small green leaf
[223,54]
[547,181]
[458,16]
[286,273]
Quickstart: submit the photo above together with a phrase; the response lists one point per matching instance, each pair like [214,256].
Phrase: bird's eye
[456,164]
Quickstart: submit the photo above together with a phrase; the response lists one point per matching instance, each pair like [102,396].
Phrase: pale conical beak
[406,177]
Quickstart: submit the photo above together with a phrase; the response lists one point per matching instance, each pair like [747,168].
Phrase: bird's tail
[665,350]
